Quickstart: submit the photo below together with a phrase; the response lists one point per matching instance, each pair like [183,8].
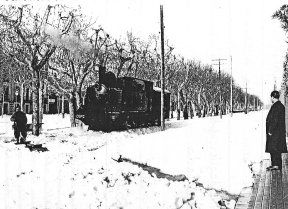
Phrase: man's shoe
[17,141]
[22,140]
[275,168]
[269,167]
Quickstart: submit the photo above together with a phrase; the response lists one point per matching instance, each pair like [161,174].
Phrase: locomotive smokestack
[102,71]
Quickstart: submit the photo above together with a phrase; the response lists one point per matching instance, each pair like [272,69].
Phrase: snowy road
[78,170]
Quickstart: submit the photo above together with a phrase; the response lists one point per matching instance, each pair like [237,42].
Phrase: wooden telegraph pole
[3,99]
[162,69]
[246,100]
[220,89]
[231,91]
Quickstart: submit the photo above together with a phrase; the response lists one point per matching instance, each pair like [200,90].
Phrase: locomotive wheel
[157,122]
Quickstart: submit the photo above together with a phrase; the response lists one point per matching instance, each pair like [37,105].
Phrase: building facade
[10,98]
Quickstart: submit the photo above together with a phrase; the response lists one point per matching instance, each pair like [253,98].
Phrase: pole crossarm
[219,59]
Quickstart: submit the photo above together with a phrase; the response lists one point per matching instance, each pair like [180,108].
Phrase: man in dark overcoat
[275,132]
[20,121]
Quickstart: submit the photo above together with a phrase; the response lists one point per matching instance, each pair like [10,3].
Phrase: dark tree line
[282,15]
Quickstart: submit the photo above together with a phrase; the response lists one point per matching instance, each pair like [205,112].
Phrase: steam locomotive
[122,103]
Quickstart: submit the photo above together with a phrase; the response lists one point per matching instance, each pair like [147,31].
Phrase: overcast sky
[206,30]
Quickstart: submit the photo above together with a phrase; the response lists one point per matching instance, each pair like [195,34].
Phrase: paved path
[270,190]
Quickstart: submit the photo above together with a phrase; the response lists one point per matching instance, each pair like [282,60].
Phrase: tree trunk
[185,111]
[191,110]
[41,103]
[199,98]
[172,105]
[227,107]
[185,108]
[72,109]
[58,104]
[2,111]
[78,99]
[220,107]
[194,109]
[22,96]
[62,107]
[35,99]
[217,109]
[202,110]
[172,108]
[178,105]
[206,104]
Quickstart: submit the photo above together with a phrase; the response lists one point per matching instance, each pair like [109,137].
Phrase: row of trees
[282,15]
[63,49]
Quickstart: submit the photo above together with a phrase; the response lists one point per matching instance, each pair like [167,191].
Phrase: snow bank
[78,171]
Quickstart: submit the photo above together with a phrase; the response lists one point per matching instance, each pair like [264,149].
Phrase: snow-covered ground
[78,171]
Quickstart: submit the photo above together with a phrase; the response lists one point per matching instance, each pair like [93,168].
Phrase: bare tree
[75,59]
[30,40]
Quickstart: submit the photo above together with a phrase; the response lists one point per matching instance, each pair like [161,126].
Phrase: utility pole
[246,99]
[2,111]
[220,89]
[231,91]
[162,69]
[246,102]
[3,97]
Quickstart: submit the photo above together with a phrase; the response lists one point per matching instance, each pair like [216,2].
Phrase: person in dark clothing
[20,121]
[275,132]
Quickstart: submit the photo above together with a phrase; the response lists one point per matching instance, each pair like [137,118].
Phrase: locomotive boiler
[122,103]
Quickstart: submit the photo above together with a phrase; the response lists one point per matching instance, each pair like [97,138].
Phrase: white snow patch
[78,170]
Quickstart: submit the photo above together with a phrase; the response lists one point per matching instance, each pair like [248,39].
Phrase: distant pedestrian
[20,121]
[275,132]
